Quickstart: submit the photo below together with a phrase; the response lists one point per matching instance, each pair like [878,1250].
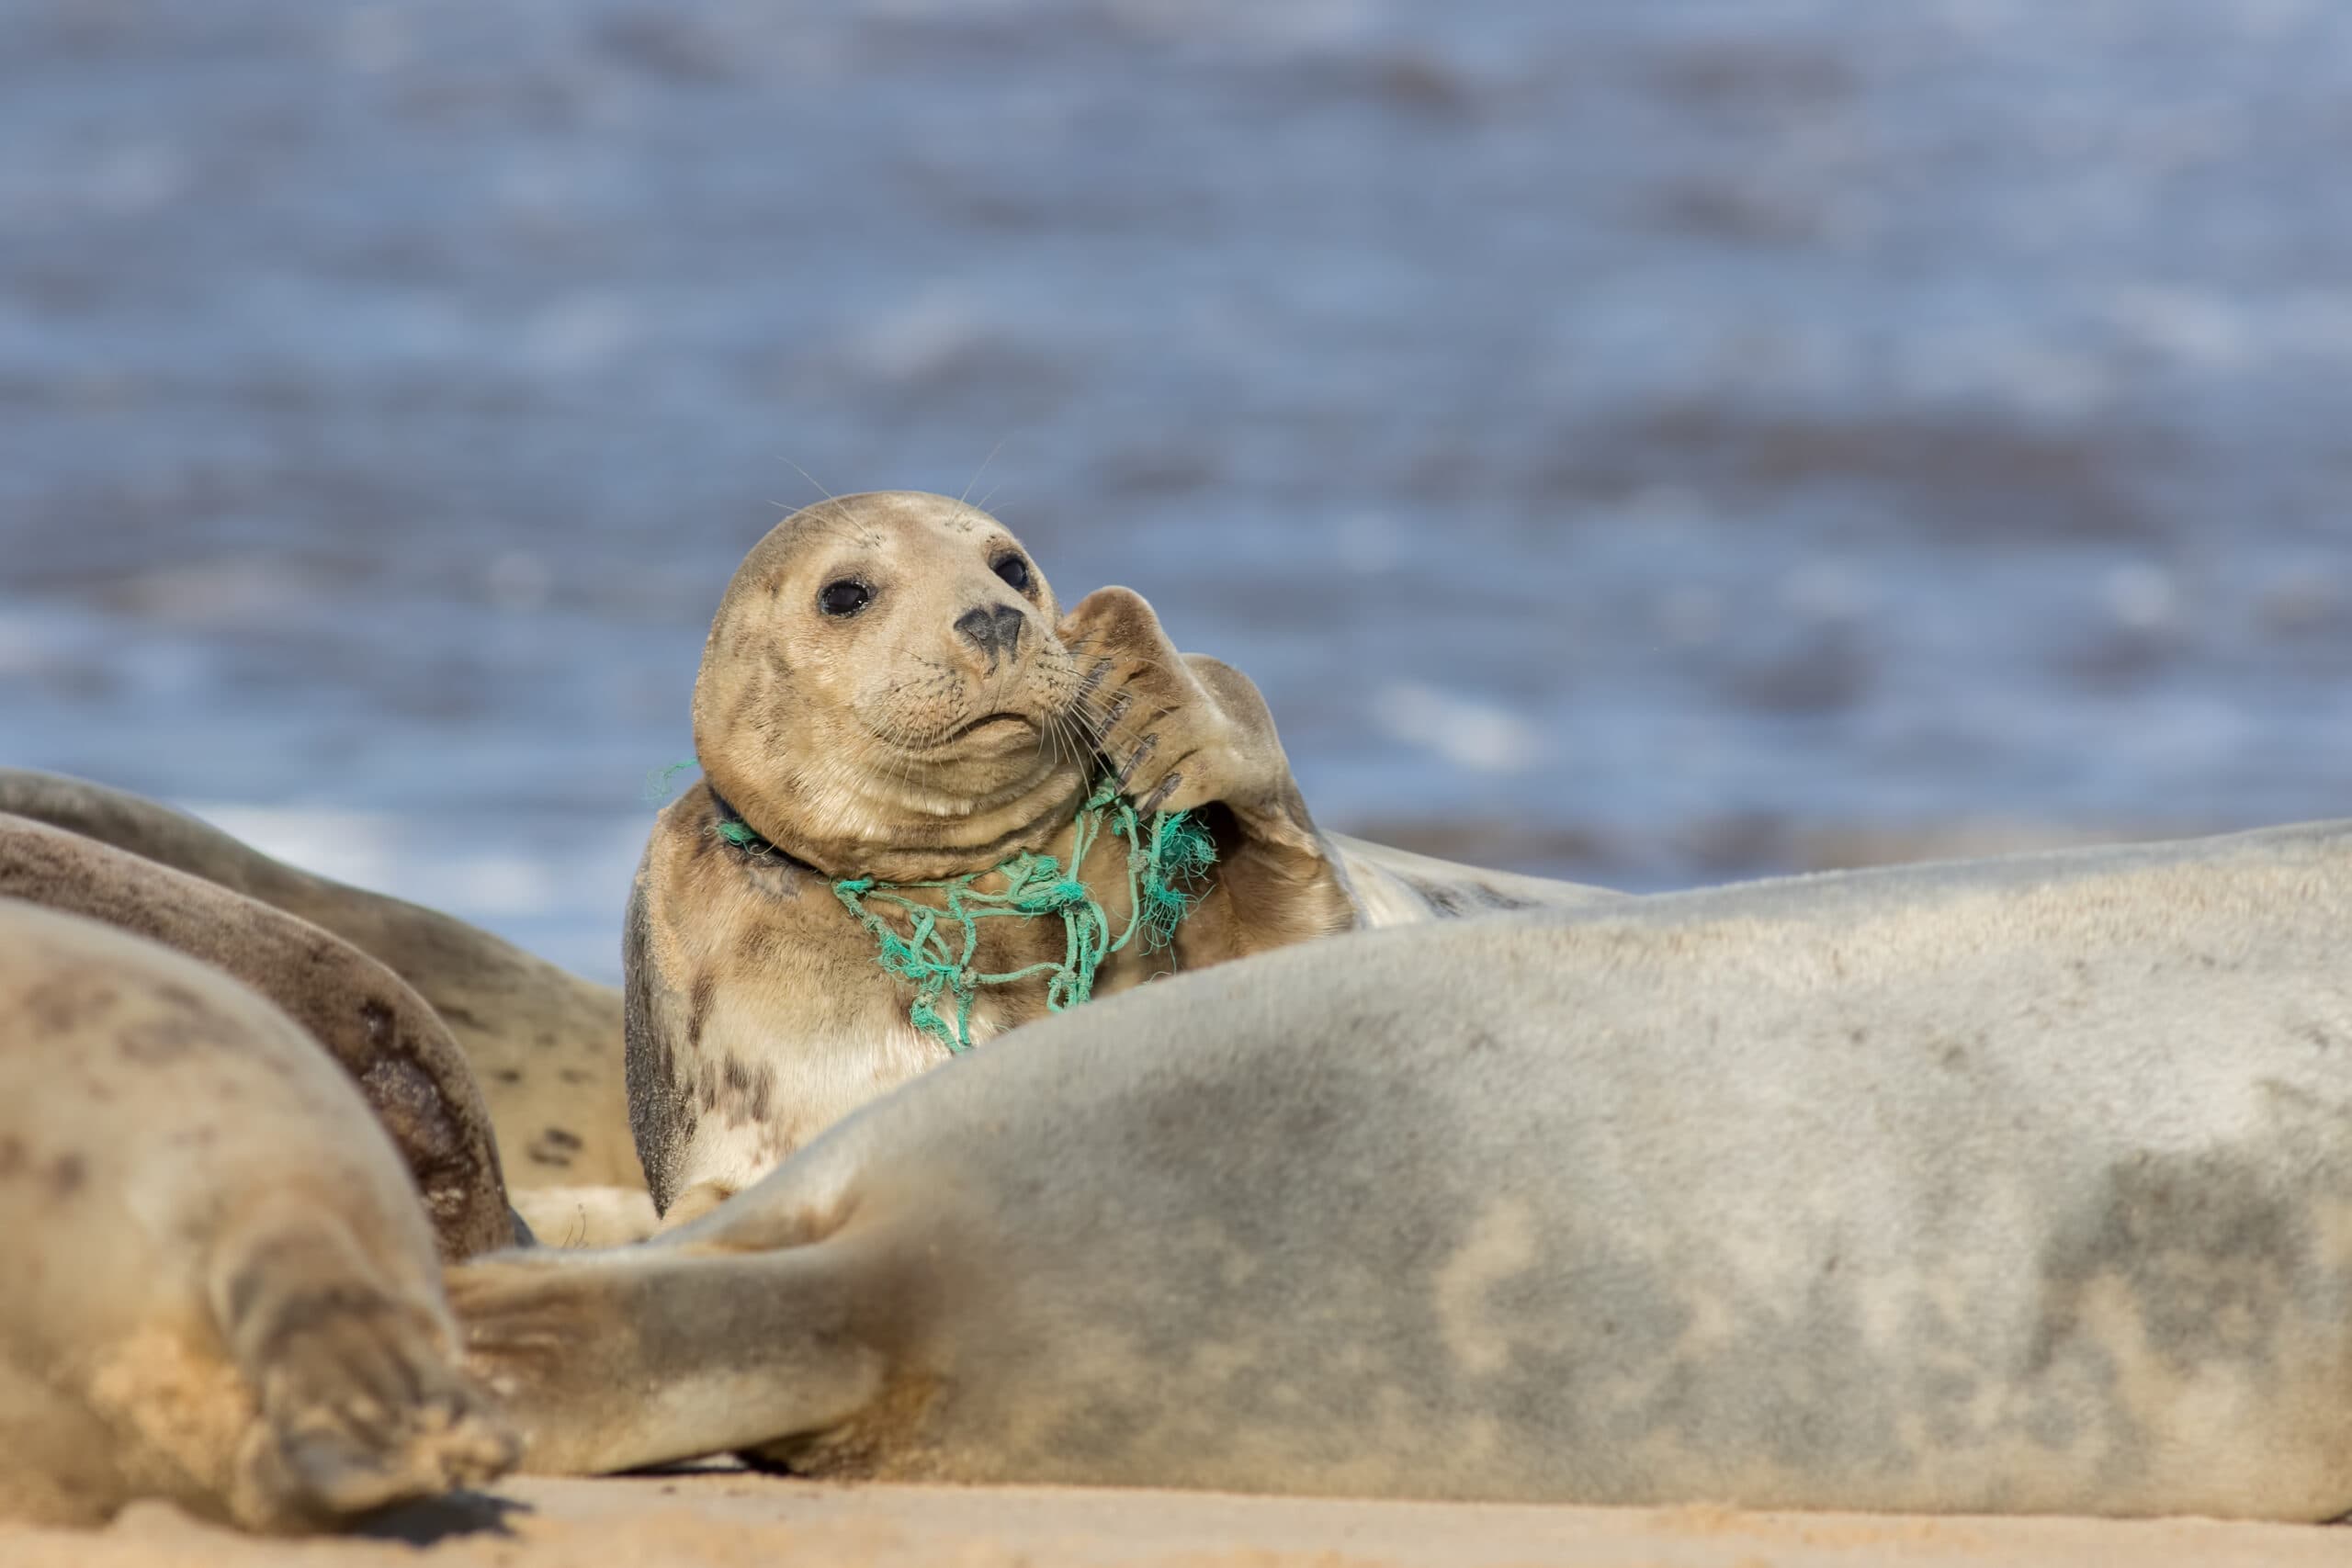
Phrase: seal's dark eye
[1014,570]
[846,597]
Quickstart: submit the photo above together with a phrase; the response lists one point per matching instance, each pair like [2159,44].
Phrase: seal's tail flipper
[649,1354]
[363,1401]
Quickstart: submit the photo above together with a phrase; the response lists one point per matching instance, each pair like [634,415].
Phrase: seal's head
[883,693]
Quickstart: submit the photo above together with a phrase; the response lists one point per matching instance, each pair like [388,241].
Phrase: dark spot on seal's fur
[738,1090]
[698,1007]
[450,1014]
[507,1074]
[154,1039]
[2210,1253]
[573,1075]
[1445,900]
[1453,901]
[12,1155]
[66,1174]
[61,1002]
[758,943]
[378,1020]
[554,1146]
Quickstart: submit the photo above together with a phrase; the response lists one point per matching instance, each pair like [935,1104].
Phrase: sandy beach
[726,1518]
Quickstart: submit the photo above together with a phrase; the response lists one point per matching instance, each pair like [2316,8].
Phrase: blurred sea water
[1651,443]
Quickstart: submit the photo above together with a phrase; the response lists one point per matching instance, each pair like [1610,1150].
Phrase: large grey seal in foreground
[2016,1186]
[218,1286]
[545,1045]
[892,690]
[382,1034]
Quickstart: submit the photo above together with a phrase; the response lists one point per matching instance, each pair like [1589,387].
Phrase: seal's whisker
[979,471]
[1057,733]
[804,474]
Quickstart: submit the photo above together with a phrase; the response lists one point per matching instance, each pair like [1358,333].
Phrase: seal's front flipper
[362,1400]
[651,1354]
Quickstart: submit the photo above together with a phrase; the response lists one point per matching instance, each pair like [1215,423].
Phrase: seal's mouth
[988,721]
[996,729]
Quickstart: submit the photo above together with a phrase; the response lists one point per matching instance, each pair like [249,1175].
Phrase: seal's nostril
[992,628]
[979,625]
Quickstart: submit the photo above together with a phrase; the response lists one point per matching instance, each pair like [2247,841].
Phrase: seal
[2020,1185]
[544,1044]
[220,1289]
[386,1039]
[891,691]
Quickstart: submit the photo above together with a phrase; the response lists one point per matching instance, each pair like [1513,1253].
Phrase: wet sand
[728,1518]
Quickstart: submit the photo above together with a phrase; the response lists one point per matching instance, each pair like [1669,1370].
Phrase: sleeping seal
[384,1036]
[545,1045]
[891,693]
[2012,1186]
[220,1290]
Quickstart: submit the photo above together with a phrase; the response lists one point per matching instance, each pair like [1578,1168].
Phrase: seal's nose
[994,629]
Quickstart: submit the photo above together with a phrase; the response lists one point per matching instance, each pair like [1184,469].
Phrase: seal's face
[883,671]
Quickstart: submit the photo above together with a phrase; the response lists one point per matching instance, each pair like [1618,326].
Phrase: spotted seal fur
[220,1289]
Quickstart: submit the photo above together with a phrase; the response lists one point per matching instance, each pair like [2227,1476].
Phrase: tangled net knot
[1167,858]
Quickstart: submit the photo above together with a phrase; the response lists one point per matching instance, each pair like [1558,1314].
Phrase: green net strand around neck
[1167,858]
